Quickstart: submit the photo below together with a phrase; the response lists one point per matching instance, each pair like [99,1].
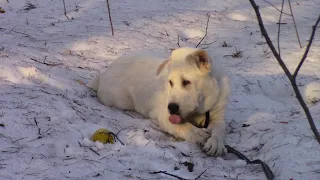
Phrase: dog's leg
[186,131]
[215,145]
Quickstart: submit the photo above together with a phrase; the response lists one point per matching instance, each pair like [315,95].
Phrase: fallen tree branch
[291,77]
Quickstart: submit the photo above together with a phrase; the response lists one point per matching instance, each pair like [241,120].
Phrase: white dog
[177,91]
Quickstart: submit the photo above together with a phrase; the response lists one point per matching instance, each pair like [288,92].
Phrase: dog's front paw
[198,135]
[215,146]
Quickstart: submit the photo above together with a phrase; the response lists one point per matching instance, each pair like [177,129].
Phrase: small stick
[166,31]
[65,11]
[94,151]
[48,64]
[165,172]
[294,22]
[206,31]
[178,40]
[110,17]
[200,174]
[35,121]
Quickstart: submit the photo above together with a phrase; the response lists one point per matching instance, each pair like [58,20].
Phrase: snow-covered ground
[48,114]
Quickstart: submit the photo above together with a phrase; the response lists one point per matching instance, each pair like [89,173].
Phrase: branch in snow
[291,77]
[48,64]
[94,151]
[178,177]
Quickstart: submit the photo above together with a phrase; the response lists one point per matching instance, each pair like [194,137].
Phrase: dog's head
[191,87]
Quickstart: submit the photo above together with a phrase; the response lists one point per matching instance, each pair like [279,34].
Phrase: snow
[49,115]
[240,163]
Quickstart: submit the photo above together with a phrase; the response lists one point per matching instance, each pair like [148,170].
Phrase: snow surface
[49,115]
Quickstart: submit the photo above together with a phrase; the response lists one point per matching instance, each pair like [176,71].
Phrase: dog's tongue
[175,119]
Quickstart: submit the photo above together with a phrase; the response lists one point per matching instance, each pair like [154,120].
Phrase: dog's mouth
[178,118]
[175,119]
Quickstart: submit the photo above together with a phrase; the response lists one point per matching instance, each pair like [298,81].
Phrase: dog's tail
[94,83]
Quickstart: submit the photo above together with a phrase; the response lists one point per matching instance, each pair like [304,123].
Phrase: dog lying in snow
[177,91]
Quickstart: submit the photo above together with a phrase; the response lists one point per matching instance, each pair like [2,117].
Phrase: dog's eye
[185,82]
[171,83]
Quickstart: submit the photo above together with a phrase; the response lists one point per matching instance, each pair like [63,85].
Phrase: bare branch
[266,36]
[291,77]
[206,31]
[178,43]
[294,22]
[110,17]
[279,26]
[314,28]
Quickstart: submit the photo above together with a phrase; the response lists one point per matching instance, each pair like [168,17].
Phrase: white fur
[131,83]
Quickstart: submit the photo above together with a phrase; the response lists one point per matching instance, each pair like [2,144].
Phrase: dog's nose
[173,108]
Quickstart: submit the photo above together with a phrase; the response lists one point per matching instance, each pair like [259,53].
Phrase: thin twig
[279,26]
[110,17]
[165,172]
[291,77]
[65,11]
[178,177]
[200,175]
[48,64]
[294,22]
[277,8]
[178,43]
[206,31]
[116,137]
[314,28]
[166,31]
[94,151]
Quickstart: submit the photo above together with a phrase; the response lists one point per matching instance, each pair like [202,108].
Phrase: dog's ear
[161,66]
[202,60]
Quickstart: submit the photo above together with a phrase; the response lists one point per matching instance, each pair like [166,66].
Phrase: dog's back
[129,80]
